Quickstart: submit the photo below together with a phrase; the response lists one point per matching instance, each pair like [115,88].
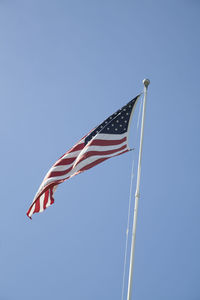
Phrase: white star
[122,117]
[120,125]
[117,121]
[127,114]
[108,128]
[112,125]
[116,129]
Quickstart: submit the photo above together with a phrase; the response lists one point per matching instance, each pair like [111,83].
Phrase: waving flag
[107,140]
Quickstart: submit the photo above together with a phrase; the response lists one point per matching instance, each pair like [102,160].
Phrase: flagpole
[146,83]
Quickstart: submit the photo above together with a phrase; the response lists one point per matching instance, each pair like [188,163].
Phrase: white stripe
[87,149]
[80,166]
[92,159]
[90,148]
[104,136]
[65,167]
[79,154]
[49,200]
[41,202]
[69,155]
[32,210]
[99,136]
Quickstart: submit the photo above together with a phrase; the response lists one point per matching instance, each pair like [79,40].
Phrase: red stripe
[28,212]
[85,156]
[79,145]
[77,148]
[94,163]
[99,153]
[58,181]
[37,205]
[51,196]
[49,187]
[97,142]
[59,173]
[65,161]
[46,199]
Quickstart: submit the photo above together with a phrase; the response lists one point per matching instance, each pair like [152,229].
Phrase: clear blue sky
[64,67]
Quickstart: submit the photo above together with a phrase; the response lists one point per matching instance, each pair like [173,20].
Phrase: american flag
[107,140]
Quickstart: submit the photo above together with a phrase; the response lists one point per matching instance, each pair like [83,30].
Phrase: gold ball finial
[146,82]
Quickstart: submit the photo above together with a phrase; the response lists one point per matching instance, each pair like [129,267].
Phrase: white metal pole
[146,82]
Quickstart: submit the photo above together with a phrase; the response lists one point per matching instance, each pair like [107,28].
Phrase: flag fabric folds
[107,140]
